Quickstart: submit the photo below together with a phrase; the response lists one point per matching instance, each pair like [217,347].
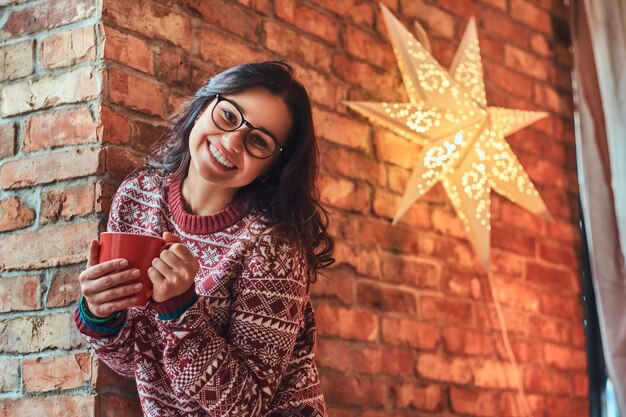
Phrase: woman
[230,328]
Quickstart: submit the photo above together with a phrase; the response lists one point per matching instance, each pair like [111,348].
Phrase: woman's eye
[229,117]
[258,141]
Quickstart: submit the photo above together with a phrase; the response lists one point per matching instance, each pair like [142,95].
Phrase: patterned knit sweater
[241,343]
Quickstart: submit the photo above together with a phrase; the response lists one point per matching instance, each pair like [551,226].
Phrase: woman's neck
[202,198]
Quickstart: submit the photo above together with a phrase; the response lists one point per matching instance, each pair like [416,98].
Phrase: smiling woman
[230,328]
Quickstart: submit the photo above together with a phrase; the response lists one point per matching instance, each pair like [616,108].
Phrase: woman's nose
[233,141]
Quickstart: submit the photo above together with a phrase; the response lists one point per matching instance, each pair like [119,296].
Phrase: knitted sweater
[241,343]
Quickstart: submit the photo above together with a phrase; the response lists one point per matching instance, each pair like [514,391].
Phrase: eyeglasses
[259,143]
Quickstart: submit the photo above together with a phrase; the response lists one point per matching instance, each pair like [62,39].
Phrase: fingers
[104,283]
[161,266]
[94,252]
[181,252]
[155,277]
[170,237]
[116,294]
[100,270]
[103,310]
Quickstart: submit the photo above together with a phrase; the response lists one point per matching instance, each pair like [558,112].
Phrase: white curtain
[599,37]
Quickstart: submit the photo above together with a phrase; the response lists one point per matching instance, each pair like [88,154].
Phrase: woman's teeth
[222,160]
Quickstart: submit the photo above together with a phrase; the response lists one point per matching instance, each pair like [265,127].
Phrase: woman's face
[220,157]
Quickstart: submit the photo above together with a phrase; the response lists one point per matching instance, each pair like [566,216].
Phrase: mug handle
[166,246]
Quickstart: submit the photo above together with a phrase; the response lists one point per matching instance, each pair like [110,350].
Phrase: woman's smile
[219,157]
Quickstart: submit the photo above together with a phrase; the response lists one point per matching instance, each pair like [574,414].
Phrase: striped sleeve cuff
[175,307]
[104,329]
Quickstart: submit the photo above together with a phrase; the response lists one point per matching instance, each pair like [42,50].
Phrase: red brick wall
[406,321]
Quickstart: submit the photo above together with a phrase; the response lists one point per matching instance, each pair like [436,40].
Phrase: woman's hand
[106,290]
[172,273]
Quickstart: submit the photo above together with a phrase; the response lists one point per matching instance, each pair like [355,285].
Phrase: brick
[355,10]
[391,238]
[334,354]
[509,81]
[338,283]
[467,341]
[17,60]
[54,166]
[410,333]
[15,214]
[138,93]
[50,406]
[150,19]
[128,50]
[386,205]
[436,22]
[548,277]
[514,215]
[226,51]
[505,263]
[354,165]
[286,42]
[121,405]
[558,254]
[434,367]
[452,251]
[461,282]
[473,401]
[549,328]
[365,260]
[115,128]
[20,293]
[361,44]
[64,288]
[510,404]
[32,249]
[537,380]
[147,136]
[581,385]
[68,48]
[9,375]
[491,50]
[383,360]
[56,372]
[544,172]
[402,269]
[174,67]
[464,9]
[448,223]
[525,351]
[352,390]
[497,4]
[577,336]
[512,240]
[260,6]
[67,203]
[361,74]
[122,161]
[399,177]
[500,27]
[354,324]
[407,395]
[571,407]
[447,310]
[233,18]
[344,194]
[320,90]
[396,150]
[566,306]
[37,333]
[539,44]
[494,374]
[564,357]
[309,20]
[46,16]
[515,320]
[385,298]
[60,128]
[7,140]
[521,61]
[517,294]
[548,98]
[80,84]
[342,130]
[532,16]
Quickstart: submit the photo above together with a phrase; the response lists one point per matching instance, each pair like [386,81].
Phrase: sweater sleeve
[238,375]
[113,341]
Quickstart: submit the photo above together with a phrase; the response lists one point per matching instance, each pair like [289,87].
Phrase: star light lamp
[463,138]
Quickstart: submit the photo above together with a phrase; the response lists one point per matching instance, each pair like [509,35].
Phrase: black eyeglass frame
[250,126]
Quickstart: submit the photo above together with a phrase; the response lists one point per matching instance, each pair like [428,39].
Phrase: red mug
[138,250]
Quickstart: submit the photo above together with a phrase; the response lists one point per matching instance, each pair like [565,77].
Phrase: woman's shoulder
[145,180]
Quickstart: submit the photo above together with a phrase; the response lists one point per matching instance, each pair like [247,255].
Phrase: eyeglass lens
[228,117]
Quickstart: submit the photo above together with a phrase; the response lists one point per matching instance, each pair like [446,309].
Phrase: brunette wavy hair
[289,197]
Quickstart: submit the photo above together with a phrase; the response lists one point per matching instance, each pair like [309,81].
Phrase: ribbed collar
[199,225]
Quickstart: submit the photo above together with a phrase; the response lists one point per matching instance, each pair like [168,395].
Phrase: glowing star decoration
[462,137]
